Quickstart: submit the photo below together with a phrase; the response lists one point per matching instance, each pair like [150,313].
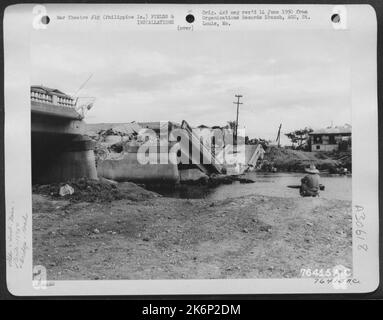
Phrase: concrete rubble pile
[113,141]
[117,147]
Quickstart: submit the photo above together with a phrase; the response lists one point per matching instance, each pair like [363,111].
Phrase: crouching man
[310,183]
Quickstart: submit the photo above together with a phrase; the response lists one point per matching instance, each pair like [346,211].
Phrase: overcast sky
[297,79]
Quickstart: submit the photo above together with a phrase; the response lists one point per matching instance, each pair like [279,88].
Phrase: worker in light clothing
[310,183]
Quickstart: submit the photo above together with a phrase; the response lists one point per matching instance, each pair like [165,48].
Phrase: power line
[83,85]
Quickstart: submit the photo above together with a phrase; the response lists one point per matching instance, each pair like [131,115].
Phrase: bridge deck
[53,119]
[54,110]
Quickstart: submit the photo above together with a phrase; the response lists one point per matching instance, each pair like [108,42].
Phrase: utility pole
[238,96]
[279,135]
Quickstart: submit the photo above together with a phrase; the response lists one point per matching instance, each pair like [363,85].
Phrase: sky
[298,79]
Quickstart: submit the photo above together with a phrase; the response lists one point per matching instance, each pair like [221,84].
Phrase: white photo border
[362,30]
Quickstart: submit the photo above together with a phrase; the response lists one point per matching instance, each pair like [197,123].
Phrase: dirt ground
[166,238]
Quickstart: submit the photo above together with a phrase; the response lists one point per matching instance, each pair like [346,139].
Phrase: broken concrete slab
[192,175]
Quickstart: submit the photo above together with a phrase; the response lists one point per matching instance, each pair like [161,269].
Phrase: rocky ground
[155,237]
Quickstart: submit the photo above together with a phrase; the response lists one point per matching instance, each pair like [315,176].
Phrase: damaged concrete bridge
[60,149]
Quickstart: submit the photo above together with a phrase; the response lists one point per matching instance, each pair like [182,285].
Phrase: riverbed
[337,187]
[252,230]
[246,237]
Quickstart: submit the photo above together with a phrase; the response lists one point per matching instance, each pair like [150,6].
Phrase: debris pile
[88,190]
[110,145]
[112,140]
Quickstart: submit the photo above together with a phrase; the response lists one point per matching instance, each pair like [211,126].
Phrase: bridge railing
[37,96]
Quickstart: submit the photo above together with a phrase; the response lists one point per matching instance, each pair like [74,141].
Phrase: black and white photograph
[210,142]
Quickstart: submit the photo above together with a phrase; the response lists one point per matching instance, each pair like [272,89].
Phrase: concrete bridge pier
[58,159]
[77,160]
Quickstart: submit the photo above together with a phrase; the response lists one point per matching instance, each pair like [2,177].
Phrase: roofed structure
[331,138]
[346,129]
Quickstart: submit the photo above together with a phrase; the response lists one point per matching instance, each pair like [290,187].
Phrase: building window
[318,147]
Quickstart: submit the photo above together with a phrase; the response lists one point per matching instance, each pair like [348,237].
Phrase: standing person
[310,183]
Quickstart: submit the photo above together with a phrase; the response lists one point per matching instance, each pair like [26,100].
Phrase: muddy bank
[163,238]
[215,180]
[288,160]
